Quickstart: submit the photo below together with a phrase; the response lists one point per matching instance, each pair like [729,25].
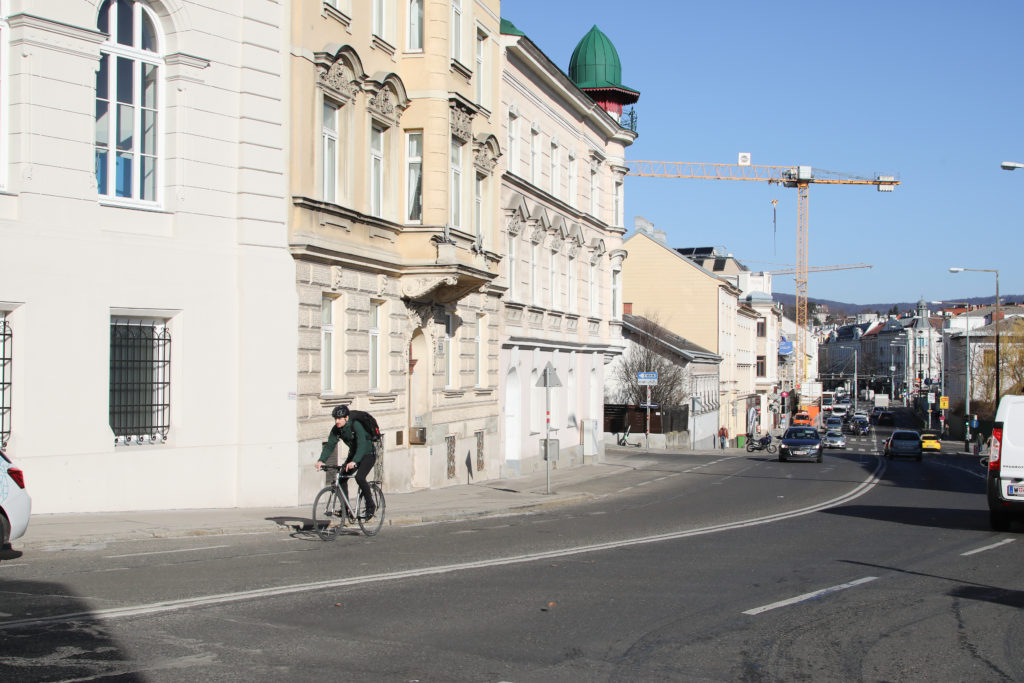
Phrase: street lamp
[995,318]
[1010,165]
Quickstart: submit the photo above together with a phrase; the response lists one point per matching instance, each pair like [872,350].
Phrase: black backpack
[369,423]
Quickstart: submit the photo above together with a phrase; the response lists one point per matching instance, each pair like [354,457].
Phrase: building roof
[595,65]
[673,342]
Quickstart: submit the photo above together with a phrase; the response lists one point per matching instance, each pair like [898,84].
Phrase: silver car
[833,439]
[904,443]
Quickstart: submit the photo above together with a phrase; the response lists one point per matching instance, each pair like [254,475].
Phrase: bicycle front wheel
[328,513]
[371,526]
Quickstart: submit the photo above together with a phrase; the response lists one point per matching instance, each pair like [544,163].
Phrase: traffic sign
[647,379]
[785,394]
[648,405]
[944,402]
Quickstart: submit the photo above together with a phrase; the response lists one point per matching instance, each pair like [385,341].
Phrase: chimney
[627,309]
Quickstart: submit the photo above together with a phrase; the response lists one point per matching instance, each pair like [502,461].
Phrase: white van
[1006,464]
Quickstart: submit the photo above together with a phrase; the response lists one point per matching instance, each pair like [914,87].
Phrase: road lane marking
[809,596]
[988,547]
[202,601]
[166,552]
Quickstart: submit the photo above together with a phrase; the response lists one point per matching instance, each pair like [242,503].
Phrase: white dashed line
[809,596]
[988,547]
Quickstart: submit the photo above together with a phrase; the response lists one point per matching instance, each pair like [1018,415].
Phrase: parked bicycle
[332,507]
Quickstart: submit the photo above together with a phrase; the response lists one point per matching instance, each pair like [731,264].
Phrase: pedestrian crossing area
[861,444]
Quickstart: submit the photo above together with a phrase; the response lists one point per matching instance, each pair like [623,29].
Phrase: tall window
[594,293]
[573,283]
[478,206]
[555,171]
[414,177]
[553,277]
[128,88]
[414,39]
[379,19]
[456,40]
[513,288]
[6,379]
[140,380]
[327,345]
[618,204]
[456,192]
[573,182]
[449,350]
[513,143]
[329,148]
[533,275]
[375,350]
[376,170]
[762,366]
[534,156]
[481,351]
[762,327]
[481,69]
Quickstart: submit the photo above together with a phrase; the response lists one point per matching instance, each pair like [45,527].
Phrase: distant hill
[841,307]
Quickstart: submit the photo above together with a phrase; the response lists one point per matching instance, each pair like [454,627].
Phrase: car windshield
[905,436]
[835,435]
[801,434]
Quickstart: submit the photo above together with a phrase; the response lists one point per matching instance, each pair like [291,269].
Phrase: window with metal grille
[6,356]
[140,380]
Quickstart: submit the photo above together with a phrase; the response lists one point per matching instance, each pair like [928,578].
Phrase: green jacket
[355,437]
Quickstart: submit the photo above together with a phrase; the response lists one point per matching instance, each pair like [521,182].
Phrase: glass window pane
[326,311]
[102,123]
[102,78]
[148,168]
[125,126]
[125,69]
[125,9]
[415,191]
[101,171]
[148,34]
[416,144]
[103,18]
[330,117]
[330,169]
[123,178]
[148,138]
[148,86]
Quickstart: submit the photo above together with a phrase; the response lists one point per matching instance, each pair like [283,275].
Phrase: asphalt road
[694,567]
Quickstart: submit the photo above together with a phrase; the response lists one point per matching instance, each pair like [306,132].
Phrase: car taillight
[17,475]
[997,442]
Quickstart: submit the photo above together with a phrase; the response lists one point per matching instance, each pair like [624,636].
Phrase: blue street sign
[648,405]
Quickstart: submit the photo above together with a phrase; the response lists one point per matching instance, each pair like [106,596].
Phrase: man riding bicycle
[361,455]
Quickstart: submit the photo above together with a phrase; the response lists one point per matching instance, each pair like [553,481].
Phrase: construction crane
[819,269]
[799,177]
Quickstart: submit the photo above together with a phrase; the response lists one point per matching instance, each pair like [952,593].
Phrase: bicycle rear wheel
[328,513]
[371,526]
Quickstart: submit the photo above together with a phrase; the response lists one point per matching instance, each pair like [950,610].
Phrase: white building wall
[210,256]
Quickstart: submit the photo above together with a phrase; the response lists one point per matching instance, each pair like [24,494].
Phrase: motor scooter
[762,444]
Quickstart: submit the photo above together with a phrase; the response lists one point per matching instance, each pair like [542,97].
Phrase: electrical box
[417,436]
[550,452]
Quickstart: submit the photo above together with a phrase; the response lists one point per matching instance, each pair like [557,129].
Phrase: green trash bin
[741,441]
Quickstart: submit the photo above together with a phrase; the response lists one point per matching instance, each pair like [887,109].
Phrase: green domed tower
[596,70]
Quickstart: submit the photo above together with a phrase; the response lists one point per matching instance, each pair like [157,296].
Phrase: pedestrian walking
[723,435]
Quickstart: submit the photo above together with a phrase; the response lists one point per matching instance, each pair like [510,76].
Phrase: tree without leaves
[1011,358]
[644,356]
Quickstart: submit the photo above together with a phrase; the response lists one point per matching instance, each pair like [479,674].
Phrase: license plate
[1015,490]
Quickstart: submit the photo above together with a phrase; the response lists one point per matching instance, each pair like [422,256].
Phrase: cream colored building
[148,297]
[698,305]
[394,229]
[562,216]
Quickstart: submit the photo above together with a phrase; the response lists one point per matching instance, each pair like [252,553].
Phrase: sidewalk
[484,499]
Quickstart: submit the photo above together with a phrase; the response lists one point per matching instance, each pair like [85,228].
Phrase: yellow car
[930,441]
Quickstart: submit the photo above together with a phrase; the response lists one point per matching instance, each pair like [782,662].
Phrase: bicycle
[332,506]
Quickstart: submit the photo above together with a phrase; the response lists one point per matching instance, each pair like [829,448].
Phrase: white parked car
[1005,482]
[15,503]
[834,439]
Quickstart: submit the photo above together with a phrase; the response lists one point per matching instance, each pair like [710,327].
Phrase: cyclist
[361,456]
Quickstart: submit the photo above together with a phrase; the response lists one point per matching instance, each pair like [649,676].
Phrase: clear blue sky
[928,91]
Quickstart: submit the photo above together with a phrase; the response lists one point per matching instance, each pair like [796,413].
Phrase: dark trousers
[362,469]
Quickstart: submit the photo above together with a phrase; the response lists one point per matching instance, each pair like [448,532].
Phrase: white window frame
[414,177]
[137,152]
[327,341]
[573,182]
[513,287]
[618,204]
[595,203]
[534,156]
[379,18]
[478,206]
[455,158]
[616,294]
[553,277]
[376,178]
[481,69]
[329,150]
[593,292]
[555,172]
[414,28]
[4,88]
[513,142]
[374,332]
[534,293]
[456,32]
[573,284]
[481,351]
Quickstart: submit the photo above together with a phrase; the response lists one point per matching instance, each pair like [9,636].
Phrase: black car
[800,442]
[886,418]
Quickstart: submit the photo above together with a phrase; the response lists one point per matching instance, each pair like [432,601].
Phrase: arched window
[128,93]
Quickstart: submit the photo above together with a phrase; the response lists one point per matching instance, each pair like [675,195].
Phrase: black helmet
[339,411]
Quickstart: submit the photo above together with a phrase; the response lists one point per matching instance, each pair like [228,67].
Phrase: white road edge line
[809,596]
[176,605]
[988,547]
[166,552]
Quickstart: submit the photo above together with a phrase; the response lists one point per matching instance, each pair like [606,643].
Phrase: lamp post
[995,318]
[1010,165]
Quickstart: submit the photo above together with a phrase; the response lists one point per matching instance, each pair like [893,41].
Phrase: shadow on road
[940,518]
[51,648]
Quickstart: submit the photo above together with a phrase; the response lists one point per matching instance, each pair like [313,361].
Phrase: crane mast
[799,177]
